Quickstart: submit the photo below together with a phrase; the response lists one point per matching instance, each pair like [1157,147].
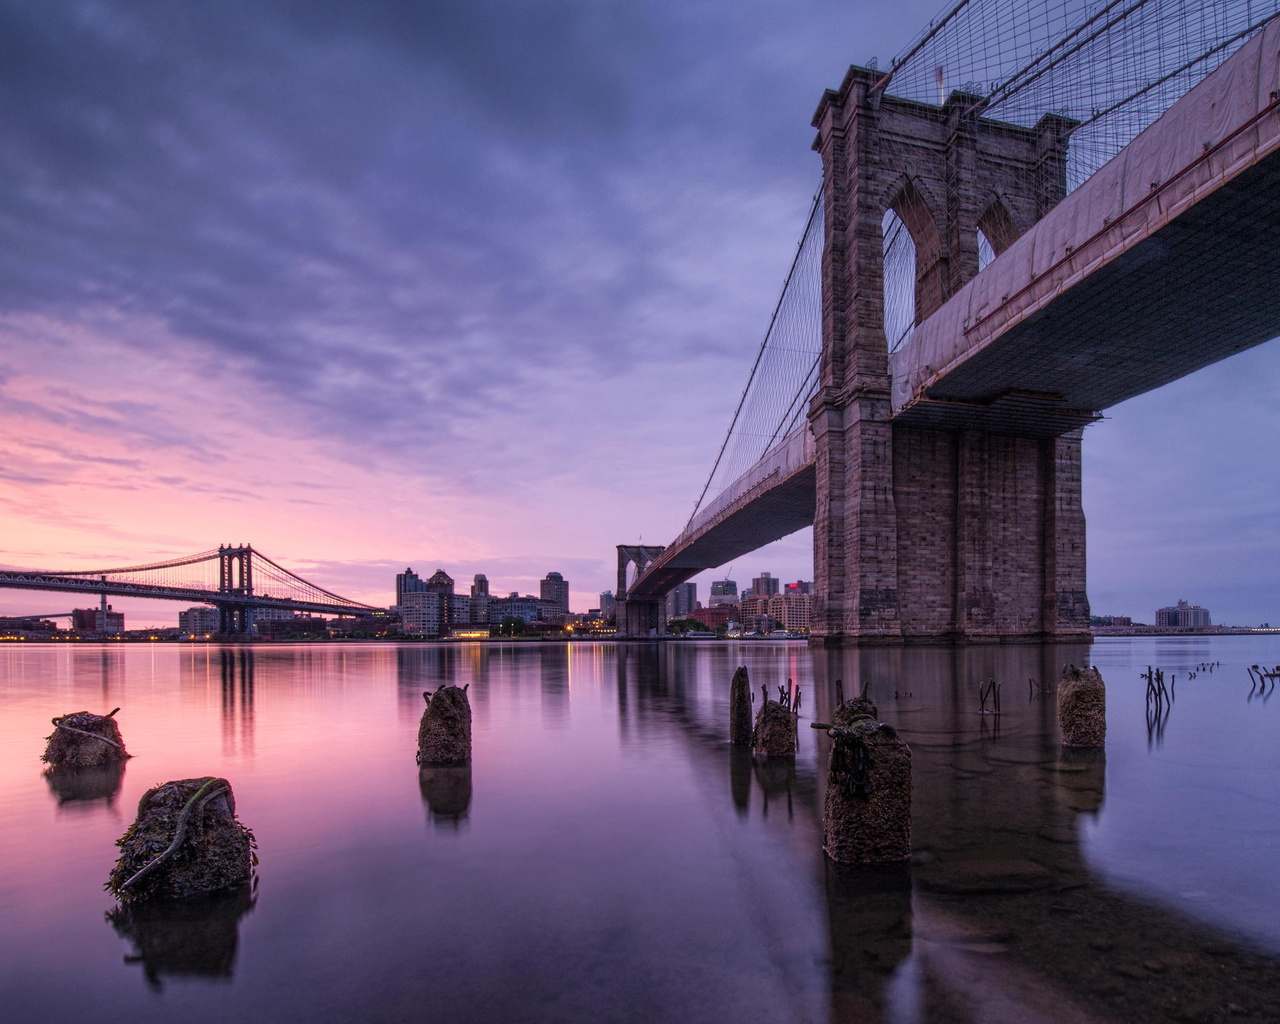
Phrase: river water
[608,857]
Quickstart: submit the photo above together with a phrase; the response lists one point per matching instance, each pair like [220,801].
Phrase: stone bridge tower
[925,534]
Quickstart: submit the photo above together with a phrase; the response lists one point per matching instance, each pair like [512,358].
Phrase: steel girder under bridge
[236,580]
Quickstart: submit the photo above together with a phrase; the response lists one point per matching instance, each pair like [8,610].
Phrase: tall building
[1182,615]
[440,583]
[608,606]
[764,585]
[799,587]
[480,598]
[682,601]
[408,582]
[555,588]
[723,592]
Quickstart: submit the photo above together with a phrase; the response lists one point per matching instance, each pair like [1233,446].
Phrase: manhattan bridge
[238,581]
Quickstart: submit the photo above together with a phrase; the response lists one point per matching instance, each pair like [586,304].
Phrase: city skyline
[316,279]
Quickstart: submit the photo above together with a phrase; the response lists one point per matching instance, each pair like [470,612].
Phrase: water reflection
[869,917]
[191,938]
[81,788]
[446,791]
[236,669]
[629,841]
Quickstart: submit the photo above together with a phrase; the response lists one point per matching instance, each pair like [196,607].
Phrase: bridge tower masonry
[927,534]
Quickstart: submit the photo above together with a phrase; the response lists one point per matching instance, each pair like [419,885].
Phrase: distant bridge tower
[235,580]
[932,533]
[638,617]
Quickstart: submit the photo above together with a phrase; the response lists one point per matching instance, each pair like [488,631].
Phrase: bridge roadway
[1163,262]
[190,595]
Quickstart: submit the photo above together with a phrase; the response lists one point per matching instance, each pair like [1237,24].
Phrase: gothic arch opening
[899,281]
[996,232]
[912,271]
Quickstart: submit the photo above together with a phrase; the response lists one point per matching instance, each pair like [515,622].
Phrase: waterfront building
[527,607]
[764,585]
[753,607]
[716,616]
[1182,615]
[198,621]
[97,620]
[555,588]
[792,610]
[422,613]
[723,592]
[682,601]
[608,607]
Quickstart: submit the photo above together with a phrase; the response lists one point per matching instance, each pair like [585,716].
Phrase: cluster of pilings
[867,813]
[1159,702]
[186,840]
[1262,681]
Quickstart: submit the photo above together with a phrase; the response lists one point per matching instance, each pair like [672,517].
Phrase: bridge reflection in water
[1000,916]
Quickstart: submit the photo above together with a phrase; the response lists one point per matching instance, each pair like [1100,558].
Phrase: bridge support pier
[925,534]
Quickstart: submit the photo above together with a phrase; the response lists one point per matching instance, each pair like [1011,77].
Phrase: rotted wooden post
[1082,707]
[868,808]
[740,708]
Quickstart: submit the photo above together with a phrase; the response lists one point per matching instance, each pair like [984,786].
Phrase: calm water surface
[607,857]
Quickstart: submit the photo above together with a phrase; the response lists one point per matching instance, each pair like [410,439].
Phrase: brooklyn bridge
[1022,222]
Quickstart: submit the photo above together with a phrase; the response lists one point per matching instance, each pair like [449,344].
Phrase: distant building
[555,588]
[528,607]
[682,601]
[440,583]
[97,620]
[792,610]
[799,587]
[421,613]
[198,621]
[408,582]
[480,599]
[753,607]
[608,607]
[764,585]
[1110,620]
[1182,615]
[27,624]
[716,616]
[723,592]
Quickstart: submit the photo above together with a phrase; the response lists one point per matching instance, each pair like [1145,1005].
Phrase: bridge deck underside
[1205,286]
[768,516]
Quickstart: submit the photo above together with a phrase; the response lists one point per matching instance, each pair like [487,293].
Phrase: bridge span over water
[238,581]
[940,467]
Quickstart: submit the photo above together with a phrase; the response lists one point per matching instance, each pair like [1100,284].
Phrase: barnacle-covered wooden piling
[1082,707]
[868,807]
[740,709]
[444,734]
[85,740]
[775,730]
[185,841]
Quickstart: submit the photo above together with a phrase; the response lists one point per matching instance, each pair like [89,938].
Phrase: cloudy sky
[465,285]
